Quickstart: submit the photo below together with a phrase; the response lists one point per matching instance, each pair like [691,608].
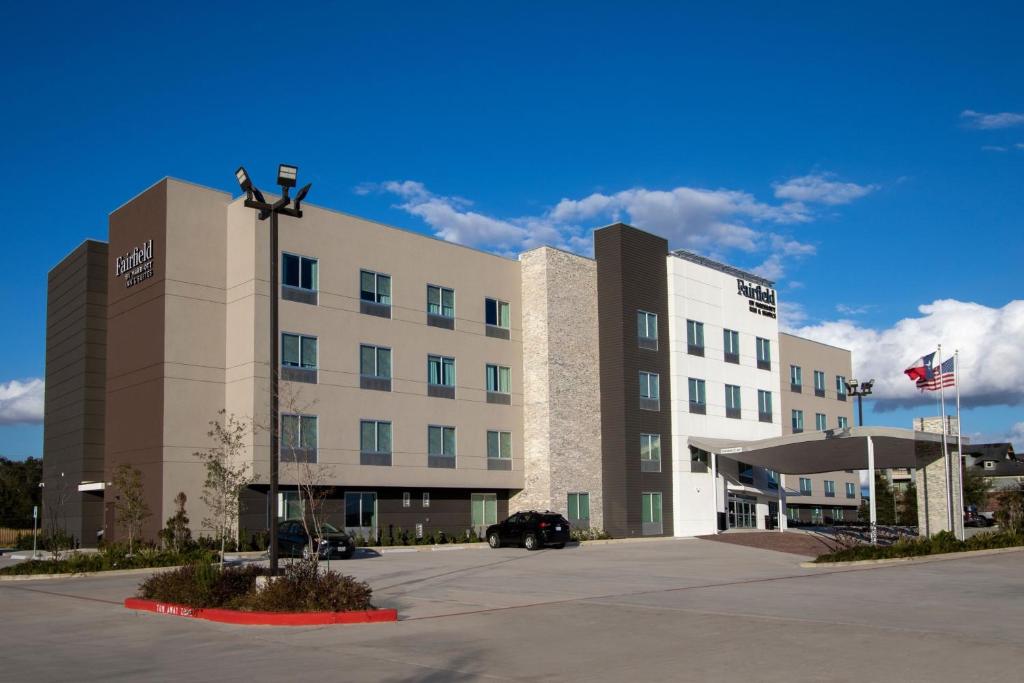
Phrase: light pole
[855,388]
[254,199]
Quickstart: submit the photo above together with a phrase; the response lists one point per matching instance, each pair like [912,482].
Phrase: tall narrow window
[647,330]
[440,307]
[375,442]
[732,401]
[731,344]
[496,317]
[764,354]
[796,378]
[375,293]
[698,398]
[483,510]
[298,438]
[850,490]
[830,488]
[650,514]
[820,422]
[441,376]
[798,421]
[650,452]
[840,387]
[374,367]
[745,472]
[819,383]
[441,446]
[764,405]
[579,509]
[650,391]
[805,486]
[695,337]
[499,450]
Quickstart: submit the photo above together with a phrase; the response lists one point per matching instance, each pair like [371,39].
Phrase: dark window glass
[290,276]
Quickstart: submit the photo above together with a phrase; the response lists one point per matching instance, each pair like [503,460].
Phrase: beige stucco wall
[562,402]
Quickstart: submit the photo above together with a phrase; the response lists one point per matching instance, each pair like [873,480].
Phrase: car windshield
[328,528]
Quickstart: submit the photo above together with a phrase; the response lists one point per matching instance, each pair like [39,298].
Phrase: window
[374,442]
[291,506]
[374,367]
[426,499]
[805,486]
[816,517]
[499,450]
[798,421]
[695,337]
[731,341]
[650,452]
[650,513]
[499,379]
[764,354]
[850,490]
[819,383]
[406,499]
[698,399]
[796,377]
[375,287]
[441,371]
[579,508]
[820,423]
[298,438]
[745,472]
[299,272]
[484,510]
[496,312]
[440,446]
[773,478]
[830,488]
[990,464]
[837,515]
[440,301]
[843,422]
[647,330]
[361,511]
[792,513]
[764,405]
[732,401]
[650,392]
[298,351]
[840,387]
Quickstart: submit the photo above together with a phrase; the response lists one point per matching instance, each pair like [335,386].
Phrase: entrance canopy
[831,450]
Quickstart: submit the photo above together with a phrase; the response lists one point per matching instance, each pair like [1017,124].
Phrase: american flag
[931,381]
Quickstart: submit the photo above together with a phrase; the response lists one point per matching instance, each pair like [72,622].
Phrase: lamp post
[254,199]
[855,388]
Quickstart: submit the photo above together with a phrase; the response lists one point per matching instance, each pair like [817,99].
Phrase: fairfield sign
[761,299]
[136,265]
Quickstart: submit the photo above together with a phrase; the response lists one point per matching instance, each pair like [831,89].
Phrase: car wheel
[493,540]
[530,541]
[558,546]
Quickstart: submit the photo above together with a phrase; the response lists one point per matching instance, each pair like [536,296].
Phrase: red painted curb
[230,616]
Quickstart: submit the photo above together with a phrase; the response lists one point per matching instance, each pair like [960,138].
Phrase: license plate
[558,528]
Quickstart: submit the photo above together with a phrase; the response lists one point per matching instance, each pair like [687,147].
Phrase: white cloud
[791,315]
[821,188]
[1016,437]
[713,222]
[991,365]
[993,148]
[1006,119]
[846,309]
[21,402]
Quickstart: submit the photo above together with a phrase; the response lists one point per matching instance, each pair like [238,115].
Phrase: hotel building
[434,386]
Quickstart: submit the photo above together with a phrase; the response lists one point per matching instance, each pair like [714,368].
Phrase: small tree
[975,487]
[176,533]
[1010,515]
[227,475]
[908,510]
[130,505]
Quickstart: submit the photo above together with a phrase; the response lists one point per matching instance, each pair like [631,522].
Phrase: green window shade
[384,289]
[449,440]
[503,314]
[504,379]
[309,352]
[646,515]
[493,447]
[367,436]
[506,444]
[477,511]
[367,361]
[309,273]
[290,350]
[435,441]
[448,303]
[655,449]
[584,506]
[309,432]
[384,437]
[433,370]
[434,300]
[384,363]
[290,431]
[574,506]
[368,285]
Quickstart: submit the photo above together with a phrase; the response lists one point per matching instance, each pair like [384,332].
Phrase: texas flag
[920,368]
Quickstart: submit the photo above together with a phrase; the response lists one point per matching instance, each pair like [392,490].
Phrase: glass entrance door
[361,513]
[742,513]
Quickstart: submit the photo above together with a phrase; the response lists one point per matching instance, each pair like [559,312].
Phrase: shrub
[57,540]
[589,534]
[113,556]
[304,588]
[200,584]
[940,543]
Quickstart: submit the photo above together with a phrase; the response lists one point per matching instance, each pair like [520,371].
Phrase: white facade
[708,293]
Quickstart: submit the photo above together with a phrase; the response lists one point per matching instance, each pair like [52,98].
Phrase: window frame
[851,490]
[580,496]
[302,419]
[454,441]
[376,436]
[498,303]
[444,363]
[376,361]
[695,337]
[497,371]
[807,490]
[441,289]
[797,420]
[701,387]
[301,338]
[377,275]
[315,271]
[647,384]
[501,448]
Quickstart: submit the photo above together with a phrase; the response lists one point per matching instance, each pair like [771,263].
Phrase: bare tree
[227,475]
[130,507]
[57,496]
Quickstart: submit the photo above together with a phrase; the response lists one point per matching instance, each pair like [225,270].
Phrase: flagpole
[945,447]
[959,441]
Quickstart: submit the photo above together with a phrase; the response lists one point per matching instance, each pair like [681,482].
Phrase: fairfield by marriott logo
[136,265]
[762,299]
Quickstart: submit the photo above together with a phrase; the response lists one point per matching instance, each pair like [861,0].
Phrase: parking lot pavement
[674,610]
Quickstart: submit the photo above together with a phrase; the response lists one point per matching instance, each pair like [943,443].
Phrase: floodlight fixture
[301,194]
[287,175]
[244,181]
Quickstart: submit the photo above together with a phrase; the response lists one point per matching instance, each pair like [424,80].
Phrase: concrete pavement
[676,610]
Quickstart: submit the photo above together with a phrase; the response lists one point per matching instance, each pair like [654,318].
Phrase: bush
[940,543]
[58,540]
[114,556]
[304,588]
[588,535]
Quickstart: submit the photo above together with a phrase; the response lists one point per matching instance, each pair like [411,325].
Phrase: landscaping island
[941,543]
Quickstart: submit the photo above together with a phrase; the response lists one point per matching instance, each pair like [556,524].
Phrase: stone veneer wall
[930,479]
[561,383]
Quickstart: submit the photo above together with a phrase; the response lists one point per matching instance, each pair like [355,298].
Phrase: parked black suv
[292,539]
[530,529]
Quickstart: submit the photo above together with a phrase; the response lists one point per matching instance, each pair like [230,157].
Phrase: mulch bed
[794,543]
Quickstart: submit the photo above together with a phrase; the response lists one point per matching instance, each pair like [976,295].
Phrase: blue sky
[868,157]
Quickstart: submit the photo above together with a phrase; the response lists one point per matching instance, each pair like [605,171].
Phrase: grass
[941,543]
